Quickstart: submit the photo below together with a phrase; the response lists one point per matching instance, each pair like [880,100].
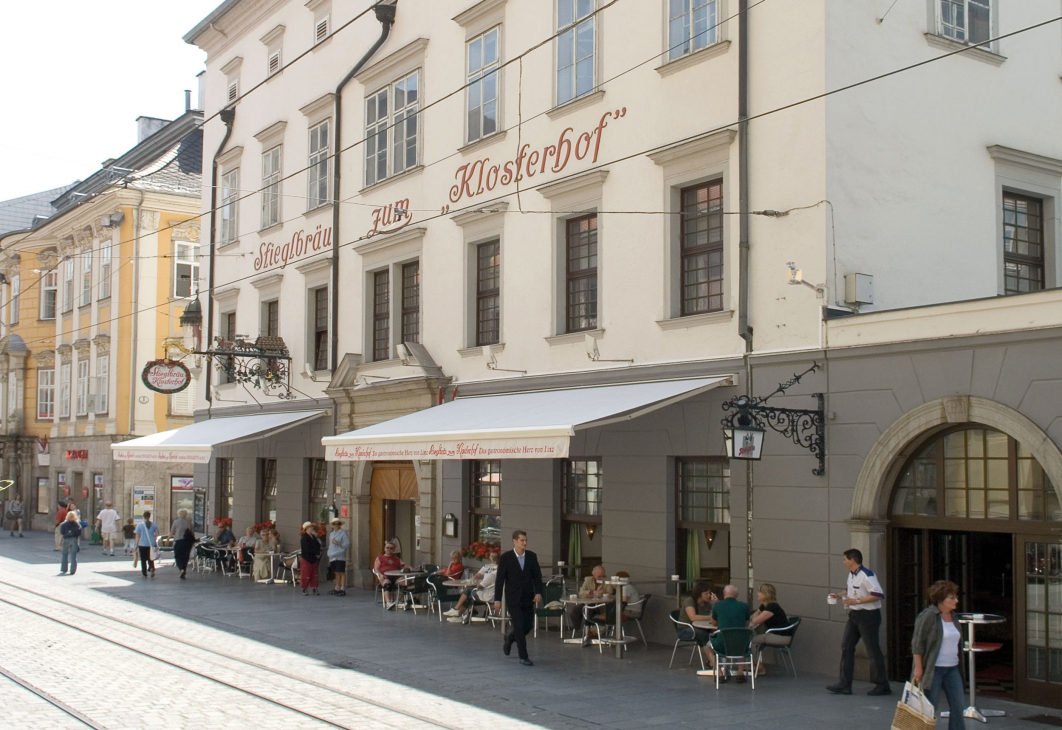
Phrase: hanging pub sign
[745,443]
[166,376]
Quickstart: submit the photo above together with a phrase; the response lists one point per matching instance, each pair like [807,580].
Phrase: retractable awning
[534,425]
[196,442]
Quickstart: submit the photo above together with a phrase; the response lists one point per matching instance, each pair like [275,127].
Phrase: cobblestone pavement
[348,648]
[23,709]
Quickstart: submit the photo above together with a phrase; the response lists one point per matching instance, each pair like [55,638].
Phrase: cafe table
[404,576]
[272,566]
[618,640]
[707,626]
[972,648]
[574,600]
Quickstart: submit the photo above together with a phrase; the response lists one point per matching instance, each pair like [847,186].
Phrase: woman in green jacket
[936,645]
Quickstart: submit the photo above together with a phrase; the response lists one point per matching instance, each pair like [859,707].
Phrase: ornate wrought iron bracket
[806,428]
[264,363]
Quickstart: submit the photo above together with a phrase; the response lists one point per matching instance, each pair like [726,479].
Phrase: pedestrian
[147,542]
[935,647]
[183,539]
[129,533]
[863,602]
[60,517]
[71,532]
[309,557]
[338,544]
[16,508]
[108,520]
[519,581]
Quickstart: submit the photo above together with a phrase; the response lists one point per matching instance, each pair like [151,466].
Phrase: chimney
[147,126]
[187,100]
[202,90]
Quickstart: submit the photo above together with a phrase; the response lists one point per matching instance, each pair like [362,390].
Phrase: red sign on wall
[77,454]
[84,492]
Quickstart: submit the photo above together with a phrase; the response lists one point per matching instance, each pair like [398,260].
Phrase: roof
[178,171]
[18,213]
[218,13]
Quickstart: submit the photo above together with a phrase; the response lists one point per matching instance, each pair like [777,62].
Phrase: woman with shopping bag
[936,647]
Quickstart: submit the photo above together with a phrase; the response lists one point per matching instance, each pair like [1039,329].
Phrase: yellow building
[90,294]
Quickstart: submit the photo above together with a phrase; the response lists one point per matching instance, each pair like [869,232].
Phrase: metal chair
[635,611]
[409,590]
[438,594]
[685,633]
[781,647]
[554,591]
[245,563]
[289,564]
[737,652]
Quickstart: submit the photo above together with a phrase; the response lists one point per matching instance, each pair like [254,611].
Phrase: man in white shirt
[863,602]
[108,520]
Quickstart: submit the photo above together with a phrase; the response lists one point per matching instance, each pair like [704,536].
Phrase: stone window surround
[316,273]
[479,226]
[669,65]
[388,252]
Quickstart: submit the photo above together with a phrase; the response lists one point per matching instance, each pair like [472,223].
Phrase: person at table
[246,545]
[455,569]
[520,582]
[729,613]
[384,564]
[183,539]
[338,544]
[264,546]
[223,537]
[770,615]
[935,645]
[593,587]
[697,606]
[483,590]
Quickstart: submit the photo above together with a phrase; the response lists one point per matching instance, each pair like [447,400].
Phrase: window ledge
[482,142]
[692,59]
[478,351]
[575,104]
[387,181]
[104,300]
[570,338]
[695,320]
[379,365]
[270,228]
[318,208]
[228,244]
[979,52]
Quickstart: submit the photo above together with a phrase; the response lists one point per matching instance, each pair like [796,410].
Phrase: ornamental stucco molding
[65,353]
[67,247]
[48,258]
[102,341]
[188,231]
[45,358]
[10,264]
[149,220]
[83,347]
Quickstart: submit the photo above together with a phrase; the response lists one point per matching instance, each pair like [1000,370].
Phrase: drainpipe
[385,13]
[228,116]
[136,299]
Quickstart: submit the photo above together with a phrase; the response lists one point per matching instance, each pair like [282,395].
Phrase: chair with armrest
[781,640]
[439,594]
[635,611]
[736,653]
[553,591]
[686,635]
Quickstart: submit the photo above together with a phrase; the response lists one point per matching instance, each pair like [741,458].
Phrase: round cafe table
[402,577]
[972,648]
[469,583]
[577,601]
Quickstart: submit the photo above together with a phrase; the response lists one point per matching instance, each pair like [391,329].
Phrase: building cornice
[483,10]
[379,243]
[480,214]
[267,280]
[697,145]
[276,33]
[276,129]
[230,155]
[404,59]
[326,102]
[585,181]
[1027,160]
[232,66]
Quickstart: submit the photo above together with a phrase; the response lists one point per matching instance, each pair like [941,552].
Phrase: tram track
[407,716]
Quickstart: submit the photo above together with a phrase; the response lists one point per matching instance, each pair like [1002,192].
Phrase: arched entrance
[973,504]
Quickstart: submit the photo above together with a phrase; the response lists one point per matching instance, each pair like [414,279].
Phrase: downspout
[136,317]
[385,13]
[227,116]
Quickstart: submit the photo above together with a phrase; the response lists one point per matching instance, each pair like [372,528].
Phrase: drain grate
[1053,720]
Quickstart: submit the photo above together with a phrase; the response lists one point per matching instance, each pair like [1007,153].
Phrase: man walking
[338,543]
[108,519]
[60,517]
[863,602]
[520,582]
[16,509]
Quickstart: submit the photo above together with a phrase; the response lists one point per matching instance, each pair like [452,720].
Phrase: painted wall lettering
[271,254]
[391,218]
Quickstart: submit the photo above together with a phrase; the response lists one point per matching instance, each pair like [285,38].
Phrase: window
[233,92]
[269,490]
[317,170]
[381,315]
[484,502]
[103,378]
[319,498]
[230,192]
[273,63]
[16,286]
[488,293]
[575,49]
[581,289]
[272,319]
[691,26]
[68,285]
[411,302]
[46,393]
[186,270]
[581,483]
[105,271]
[226,487]
[82,387]
[228,334]
[703,492]
[701,231]
[271,187]
[968,21]
[320,30]
[49,291]
[320,330]
[64,390]
[482,92]
[86,278]
[1023,243]
[405,94]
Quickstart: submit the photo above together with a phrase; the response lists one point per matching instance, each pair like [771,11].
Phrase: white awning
[535,425]
[196,442]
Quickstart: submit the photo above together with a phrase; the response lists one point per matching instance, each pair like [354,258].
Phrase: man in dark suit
[520,581]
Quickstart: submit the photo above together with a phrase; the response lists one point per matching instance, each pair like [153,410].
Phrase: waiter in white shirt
[863,602]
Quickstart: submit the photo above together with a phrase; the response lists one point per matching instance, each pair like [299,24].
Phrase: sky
[77,73]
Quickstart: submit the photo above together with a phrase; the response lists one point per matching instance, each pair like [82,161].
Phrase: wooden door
[390,480]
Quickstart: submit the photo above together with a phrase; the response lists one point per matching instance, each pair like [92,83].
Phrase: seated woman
[263,564]
[482,591]
[455,569]
[698,607]
[384,563]
[770,615]
[246,545]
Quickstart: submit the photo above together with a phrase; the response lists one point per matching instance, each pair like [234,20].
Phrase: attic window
[234,90]
[274,62]
[321,30]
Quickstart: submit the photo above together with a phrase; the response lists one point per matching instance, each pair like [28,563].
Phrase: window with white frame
[691,26]
[16,286]
[105,271]
[86,278]
[230,191]
[82,387]
[966,21]
[68,285]
[46,393]
[482,91]
[575,49]
[49,291]
[392,107]
[271,187]
[64,390]
[103,377]
[186,269]
[317,169]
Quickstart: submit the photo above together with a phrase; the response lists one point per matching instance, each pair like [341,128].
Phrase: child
[129,532]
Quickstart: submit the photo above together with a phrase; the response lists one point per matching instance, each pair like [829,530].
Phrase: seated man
[593,587]
[385,563]
[224,538]
[482,591]
[729,613]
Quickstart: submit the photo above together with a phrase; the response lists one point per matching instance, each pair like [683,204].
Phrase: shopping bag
[914,711]
[154,553]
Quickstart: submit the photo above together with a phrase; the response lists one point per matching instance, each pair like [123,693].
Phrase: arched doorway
[973,505]
[393,496]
